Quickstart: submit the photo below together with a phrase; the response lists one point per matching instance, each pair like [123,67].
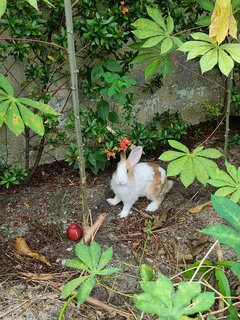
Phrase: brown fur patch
[130,171]
[157,189]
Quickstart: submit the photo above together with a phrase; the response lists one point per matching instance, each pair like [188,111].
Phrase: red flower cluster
[109,153]
[124,145]
[124,9]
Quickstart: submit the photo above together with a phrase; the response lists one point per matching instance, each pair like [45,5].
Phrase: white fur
[129,190]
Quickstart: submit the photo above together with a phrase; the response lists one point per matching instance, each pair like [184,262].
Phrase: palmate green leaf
[95,251]
[198,51]
[13,119]
[3,5]
[171,155]
[235,196]
[146,28]
[225,62]
[144,57]
[71,286]
[208,164]
[185,293]
[146,272]
[166,45]
[221,175]
[6,86]
[84,291]
[201,303]
[189,45]
[105,258]
[4,105]
[223,284]
[225,235]
[209,60]
[76,263]
[31,120]
[153,41]
[170,24]
[225,191]
[178,42]
[207,5]
[108,271]
[176,166]
[83,253]
[197,150]
[202,37]
[33,3]
[179,146]
[156,15]
[203,21]
[233,49]
[187,174]
[38,105]
[152,68]
[227,209]
[166,67]
[201,172]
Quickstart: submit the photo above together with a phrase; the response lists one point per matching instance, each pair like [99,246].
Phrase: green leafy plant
[92,261]
[234,140]
[213,111]
[229,236]
[227,182]
[160,298]
[13,175]
[15,112]
[190,165]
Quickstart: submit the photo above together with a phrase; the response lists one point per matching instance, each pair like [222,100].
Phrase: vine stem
[228,109]
[76,108]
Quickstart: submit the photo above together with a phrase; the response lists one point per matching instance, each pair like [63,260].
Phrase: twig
[91,231]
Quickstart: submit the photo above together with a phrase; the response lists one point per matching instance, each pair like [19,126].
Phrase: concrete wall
[184,90]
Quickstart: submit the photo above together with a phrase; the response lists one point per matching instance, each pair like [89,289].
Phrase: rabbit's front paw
[113,201]
[123,214]
[152,206]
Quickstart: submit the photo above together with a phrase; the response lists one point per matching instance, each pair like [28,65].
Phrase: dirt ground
[41,213]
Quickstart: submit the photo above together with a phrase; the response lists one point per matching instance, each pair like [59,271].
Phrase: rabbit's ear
[135,156]
[122,156]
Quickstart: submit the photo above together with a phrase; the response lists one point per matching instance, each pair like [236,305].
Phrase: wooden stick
[91,231]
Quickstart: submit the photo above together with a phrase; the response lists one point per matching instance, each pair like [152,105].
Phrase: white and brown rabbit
[132,180]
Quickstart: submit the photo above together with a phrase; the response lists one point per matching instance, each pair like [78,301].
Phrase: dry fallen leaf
[38,277]
[23,249]
[197,246]
[201,207]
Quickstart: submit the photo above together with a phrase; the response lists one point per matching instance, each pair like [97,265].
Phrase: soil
[41,212]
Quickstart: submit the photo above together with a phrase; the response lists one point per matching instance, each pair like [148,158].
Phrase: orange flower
[124,10]
[124,144]
[109,153]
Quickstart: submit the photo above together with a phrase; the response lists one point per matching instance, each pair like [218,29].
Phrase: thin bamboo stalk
[228,110]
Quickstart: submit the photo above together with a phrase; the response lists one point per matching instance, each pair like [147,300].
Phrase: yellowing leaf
[51,58]
[222,21]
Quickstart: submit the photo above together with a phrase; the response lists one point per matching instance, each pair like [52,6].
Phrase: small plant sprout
[190,165]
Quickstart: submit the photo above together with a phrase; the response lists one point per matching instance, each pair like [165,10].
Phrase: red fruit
[74,232]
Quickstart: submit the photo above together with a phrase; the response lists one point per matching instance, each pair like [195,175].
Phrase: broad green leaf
[96,72]
[171,155]
[85,290]
[5,85]
[156,15]
[202,37]
[200,171]
[39,105]
[209,60]
[223,176]
[103,109]
[4,105]
[176,166]
[202,302]
[153,41]
[13,119]
[185,293]
[211,153]
[144,57]
[95,250]
[108,271]
[208,164]
[170,24]
[232,313]
[198,51]
[105,258]
[152,68]
[203,21]
[235,267]
[225,235]
[31,120]
[238,171]
[235,196]
[207,5]
[189,45]
[203,269]
[113,117]
[178,42]
[197,150]
[166,45]
[71,286]
[113,66]
[33,3]
[225,191]
[146,28]
[166,67]
[223,284]
[83,253]
[187,174]
[232,171]
[179,146]
[146,272]
[3,5]
[233,49]
[218,183]
[76,263]
[225,62]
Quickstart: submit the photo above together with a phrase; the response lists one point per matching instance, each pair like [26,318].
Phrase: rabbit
[132,180]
